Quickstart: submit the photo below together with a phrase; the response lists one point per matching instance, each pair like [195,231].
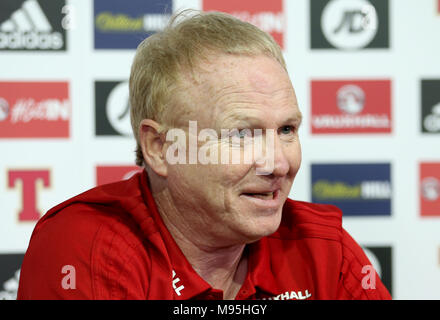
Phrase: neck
[223,267]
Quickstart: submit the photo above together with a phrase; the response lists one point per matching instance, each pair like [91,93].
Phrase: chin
[262,227]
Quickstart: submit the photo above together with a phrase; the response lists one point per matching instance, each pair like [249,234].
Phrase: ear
[152,144]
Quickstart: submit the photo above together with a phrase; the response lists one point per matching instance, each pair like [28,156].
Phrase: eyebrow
[237,120]
[297,118]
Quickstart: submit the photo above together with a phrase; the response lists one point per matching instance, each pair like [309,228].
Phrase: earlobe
[152,144]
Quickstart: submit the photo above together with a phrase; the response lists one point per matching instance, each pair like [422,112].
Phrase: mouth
[262,195]
[268,199]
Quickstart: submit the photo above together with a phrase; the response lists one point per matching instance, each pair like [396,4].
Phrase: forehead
[226,73]
[232,87]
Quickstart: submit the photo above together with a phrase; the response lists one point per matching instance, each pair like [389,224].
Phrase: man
[209,217]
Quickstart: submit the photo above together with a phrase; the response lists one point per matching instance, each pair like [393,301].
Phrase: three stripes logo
[32,25]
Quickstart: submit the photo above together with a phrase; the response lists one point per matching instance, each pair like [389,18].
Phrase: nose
[274,160]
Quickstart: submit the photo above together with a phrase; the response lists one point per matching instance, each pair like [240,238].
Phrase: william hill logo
[357,189]
[327,190]
[123,25]
[109,22]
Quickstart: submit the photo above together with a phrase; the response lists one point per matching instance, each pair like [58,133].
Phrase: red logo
[361,106]
[29,183]
[266,15]
[430,189]
[34,110]
[109,174]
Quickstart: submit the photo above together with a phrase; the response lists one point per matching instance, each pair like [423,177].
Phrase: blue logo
[124,24]
[357,189]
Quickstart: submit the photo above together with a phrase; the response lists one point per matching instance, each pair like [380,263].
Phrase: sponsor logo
[29,184]
[358,106]
[349,24]
[430,106]
[357,189]
[430,189]
[109,174]
[10,275]
[122,25]
[177,286]
[291,295]
[381,259]
[112,108]
[32,25]
[266,15]
[34,110]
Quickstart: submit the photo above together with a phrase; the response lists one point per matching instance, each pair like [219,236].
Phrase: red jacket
[110,243]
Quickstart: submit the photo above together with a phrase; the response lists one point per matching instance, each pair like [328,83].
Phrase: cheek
[197,183]
[180,180]
[187,181]
[295,157]
[234,174]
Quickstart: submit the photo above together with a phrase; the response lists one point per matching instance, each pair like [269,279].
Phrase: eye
[287,130]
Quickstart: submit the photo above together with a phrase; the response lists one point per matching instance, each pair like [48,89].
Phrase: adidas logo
[28,28]
[10,287]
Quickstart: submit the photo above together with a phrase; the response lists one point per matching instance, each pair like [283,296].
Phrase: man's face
[234,203]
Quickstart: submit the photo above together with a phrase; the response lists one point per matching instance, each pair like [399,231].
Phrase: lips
[263,199]
[261,195]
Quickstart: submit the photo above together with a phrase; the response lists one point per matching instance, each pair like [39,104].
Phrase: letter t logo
[28,180]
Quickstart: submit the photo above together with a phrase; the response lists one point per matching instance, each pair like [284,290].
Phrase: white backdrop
[412,54]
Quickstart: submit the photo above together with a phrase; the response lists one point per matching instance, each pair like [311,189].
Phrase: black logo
[349,24]
[430,106]
[381,259]
[112,108]
[10,265]
[32,25]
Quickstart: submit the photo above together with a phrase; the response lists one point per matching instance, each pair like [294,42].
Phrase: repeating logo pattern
[267,15]
[123,25]
[34,110]
[112,108]
[349,24]
[32,25]
[10,275]
[430,106]
[28,183]
[357,189]
[430,189]
[351,106]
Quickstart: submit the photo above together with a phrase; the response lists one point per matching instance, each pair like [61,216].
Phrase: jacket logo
[291,295]
[175,287]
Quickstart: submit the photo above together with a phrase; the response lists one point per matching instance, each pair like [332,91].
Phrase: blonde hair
[189,37]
